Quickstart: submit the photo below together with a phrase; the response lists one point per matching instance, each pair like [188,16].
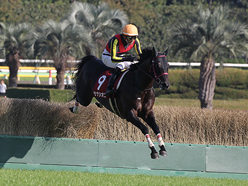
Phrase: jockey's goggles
[131,37]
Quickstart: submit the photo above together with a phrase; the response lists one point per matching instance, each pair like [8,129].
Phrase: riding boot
[110,91]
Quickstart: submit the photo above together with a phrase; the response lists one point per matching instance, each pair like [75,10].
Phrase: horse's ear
[166,52]
[154,52]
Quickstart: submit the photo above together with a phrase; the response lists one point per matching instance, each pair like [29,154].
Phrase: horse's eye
[159,65]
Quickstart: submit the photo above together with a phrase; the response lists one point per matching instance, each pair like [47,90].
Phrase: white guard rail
[175,64]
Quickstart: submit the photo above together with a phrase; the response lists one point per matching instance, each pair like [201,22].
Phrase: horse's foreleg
[162,151]
[154,153]
[150,120]
[132,117]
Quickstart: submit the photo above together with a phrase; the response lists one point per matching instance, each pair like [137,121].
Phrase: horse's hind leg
[82,97]
[99,104]
[75,109]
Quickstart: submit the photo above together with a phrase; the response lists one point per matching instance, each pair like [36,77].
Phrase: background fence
[36,73]
[46,71]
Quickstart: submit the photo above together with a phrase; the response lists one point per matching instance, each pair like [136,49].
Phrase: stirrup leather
[110,92]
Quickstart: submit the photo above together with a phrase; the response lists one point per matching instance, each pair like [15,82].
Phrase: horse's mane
[80,65]
[146,53]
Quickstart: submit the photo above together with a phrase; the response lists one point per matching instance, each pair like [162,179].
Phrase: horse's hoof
[99,105]
[154,155]
[74,110]
[163,153]
[71,109]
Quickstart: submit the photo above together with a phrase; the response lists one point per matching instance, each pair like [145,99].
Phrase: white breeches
[121,65]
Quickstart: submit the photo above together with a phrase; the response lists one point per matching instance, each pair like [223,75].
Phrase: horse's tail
[79,66]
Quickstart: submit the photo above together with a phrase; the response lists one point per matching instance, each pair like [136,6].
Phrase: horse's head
[159,68]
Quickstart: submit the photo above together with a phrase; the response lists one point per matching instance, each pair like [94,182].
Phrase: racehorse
[135,96]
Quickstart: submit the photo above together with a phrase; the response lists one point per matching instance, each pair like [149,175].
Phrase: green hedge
[230,93]
[232,78]
[53,95]
[231,83]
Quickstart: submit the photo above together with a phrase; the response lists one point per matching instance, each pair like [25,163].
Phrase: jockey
[117,45]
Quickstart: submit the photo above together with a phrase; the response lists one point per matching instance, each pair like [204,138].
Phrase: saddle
[101,84]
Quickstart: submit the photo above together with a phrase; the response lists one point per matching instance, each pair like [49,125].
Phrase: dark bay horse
[135,96]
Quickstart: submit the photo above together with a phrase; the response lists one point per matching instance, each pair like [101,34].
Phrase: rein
[156,77]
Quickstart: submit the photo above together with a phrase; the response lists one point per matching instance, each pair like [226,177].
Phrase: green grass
[32,79]
[240,104]
[60,178]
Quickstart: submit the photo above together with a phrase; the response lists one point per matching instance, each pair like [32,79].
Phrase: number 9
[101,81]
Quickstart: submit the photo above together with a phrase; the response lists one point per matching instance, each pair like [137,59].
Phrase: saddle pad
[102,82]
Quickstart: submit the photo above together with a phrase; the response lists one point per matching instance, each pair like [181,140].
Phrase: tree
[2,38]
[203,36]
[155,32]
[37,12]
[11,11]
[100,22]
[60,41]
[137,10]
[15,39]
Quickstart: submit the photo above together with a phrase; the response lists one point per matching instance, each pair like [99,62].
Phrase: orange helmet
[130,30]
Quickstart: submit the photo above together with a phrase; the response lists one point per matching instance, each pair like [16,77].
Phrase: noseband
[152,68]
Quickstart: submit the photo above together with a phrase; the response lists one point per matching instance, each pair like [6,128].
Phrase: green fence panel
[186,157]
[137,155]
[229,159]
[47,151]
[122,156]
[116,154]
[14,149]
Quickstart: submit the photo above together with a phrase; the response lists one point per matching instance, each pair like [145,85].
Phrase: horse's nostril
[164,86]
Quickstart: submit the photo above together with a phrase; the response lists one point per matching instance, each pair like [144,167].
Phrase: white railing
[175,64]
[180,64]
[35,61]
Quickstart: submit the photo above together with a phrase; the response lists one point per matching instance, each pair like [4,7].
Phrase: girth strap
[114,107]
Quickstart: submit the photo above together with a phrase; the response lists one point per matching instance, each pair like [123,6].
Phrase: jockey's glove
[128,58]
[135,59]
[133,67]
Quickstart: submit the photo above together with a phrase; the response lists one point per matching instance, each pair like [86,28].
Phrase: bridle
[152,68]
